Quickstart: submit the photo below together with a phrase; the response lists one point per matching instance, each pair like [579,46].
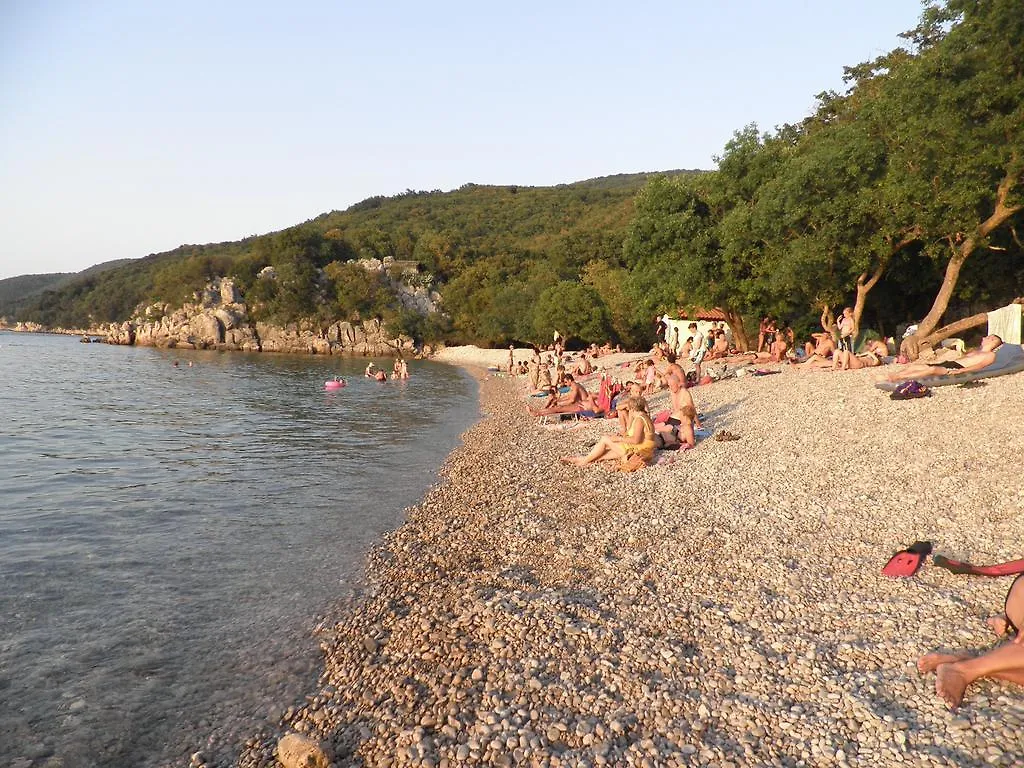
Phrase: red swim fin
[1010,568]
[907,562]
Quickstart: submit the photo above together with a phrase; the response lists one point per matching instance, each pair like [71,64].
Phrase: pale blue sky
[129,128]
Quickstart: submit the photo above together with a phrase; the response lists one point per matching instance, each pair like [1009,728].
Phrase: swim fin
[1001,569]
[907,562]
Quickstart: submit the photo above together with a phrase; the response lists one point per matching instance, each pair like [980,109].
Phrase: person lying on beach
[847,361]
[575,400]
[981,358]
[776,352]
[955,671]
[638,439]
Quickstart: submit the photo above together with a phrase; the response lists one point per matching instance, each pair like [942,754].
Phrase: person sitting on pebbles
[583,367]
[955,671]
[637,441]
[823,347]
[678,428]
[575,400]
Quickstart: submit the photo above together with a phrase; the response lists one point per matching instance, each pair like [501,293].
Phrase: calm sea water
[170,535]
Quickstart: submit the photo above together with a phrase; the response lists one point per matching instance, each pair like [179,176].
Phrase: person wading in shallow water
[955,671]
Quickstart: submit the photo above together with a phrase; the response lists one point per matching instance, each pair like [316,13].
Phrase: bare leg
[607,444]
[931,661]
[1004,663]
[918,371]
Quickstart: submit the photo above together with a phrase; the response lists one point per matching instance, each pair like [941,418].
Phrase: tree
[359,293]
[611,283]
[575,310]
[692,243]
[958,148]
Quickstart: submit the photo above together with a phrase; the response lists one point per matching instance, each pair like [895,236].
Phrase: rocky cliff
[219,320]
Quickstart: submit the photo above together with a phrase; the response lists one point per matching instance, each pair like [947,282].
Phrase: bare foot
[950,685]
[930,661]
[576,461]
[998,624]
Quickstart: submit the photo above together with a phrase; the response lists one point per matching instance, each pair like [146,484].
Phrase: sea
[174,525]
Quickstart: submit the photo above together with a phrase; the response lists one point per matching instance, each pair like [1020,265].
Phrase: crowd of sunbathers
[555,384]
[556,381]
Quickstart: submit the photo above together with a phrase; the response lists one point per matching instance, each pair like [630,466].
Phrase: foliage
[575,310]
[491,250]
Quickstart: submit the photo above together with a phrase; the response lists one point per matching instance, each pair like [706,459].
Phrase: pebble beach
[724,607]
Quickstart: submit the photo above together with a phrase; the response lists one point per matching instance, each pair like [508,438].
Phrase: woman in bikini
[638,440]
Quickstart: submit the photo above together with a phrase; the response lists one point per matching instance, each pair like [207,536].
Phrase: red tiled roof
[701,314]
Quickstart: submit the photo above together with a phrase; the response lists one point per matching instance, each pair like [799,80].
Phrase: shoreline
[726,607]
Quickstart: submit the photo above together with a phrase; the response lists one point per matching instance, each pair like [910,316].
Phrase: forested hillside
[15,292]
[492,251]
[18,293]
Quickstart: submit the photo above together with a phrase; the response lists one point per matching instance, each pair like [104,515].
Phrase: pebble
[725,609]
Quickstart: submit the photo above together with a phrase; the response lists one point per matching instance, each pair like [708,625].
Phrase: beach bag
[910,390]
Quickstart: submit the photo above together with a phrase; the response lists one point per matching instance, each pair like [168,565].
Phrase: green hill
[18,293]
[474,245]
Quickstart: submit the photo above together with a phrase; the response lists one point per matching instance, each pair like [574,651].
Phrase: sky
[131,128]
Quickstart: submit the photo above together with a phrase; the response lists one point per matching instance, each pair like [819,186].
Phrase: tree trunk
[739,333]
[1000,216]
[865,284]
[961,325]
[828,322]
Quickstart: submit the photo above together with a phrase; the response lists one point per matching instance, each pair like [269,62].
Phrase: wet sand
[724,607]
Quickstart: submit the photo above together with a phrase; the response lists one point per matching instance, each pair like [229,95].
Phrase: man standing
[697,348]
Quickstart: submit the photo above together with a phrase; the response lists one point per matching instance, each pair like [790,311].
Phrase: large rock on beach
[297,751]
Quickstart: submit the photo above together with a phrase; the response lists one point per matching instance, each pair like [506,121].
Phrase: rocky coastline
[723,608]
[219,320]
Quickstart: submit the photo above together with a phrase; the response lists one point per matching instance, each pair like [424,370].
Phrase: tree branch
[961,325]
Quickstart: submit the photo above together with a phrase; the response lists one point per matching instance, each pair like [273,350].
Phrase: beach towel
[1006,322]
